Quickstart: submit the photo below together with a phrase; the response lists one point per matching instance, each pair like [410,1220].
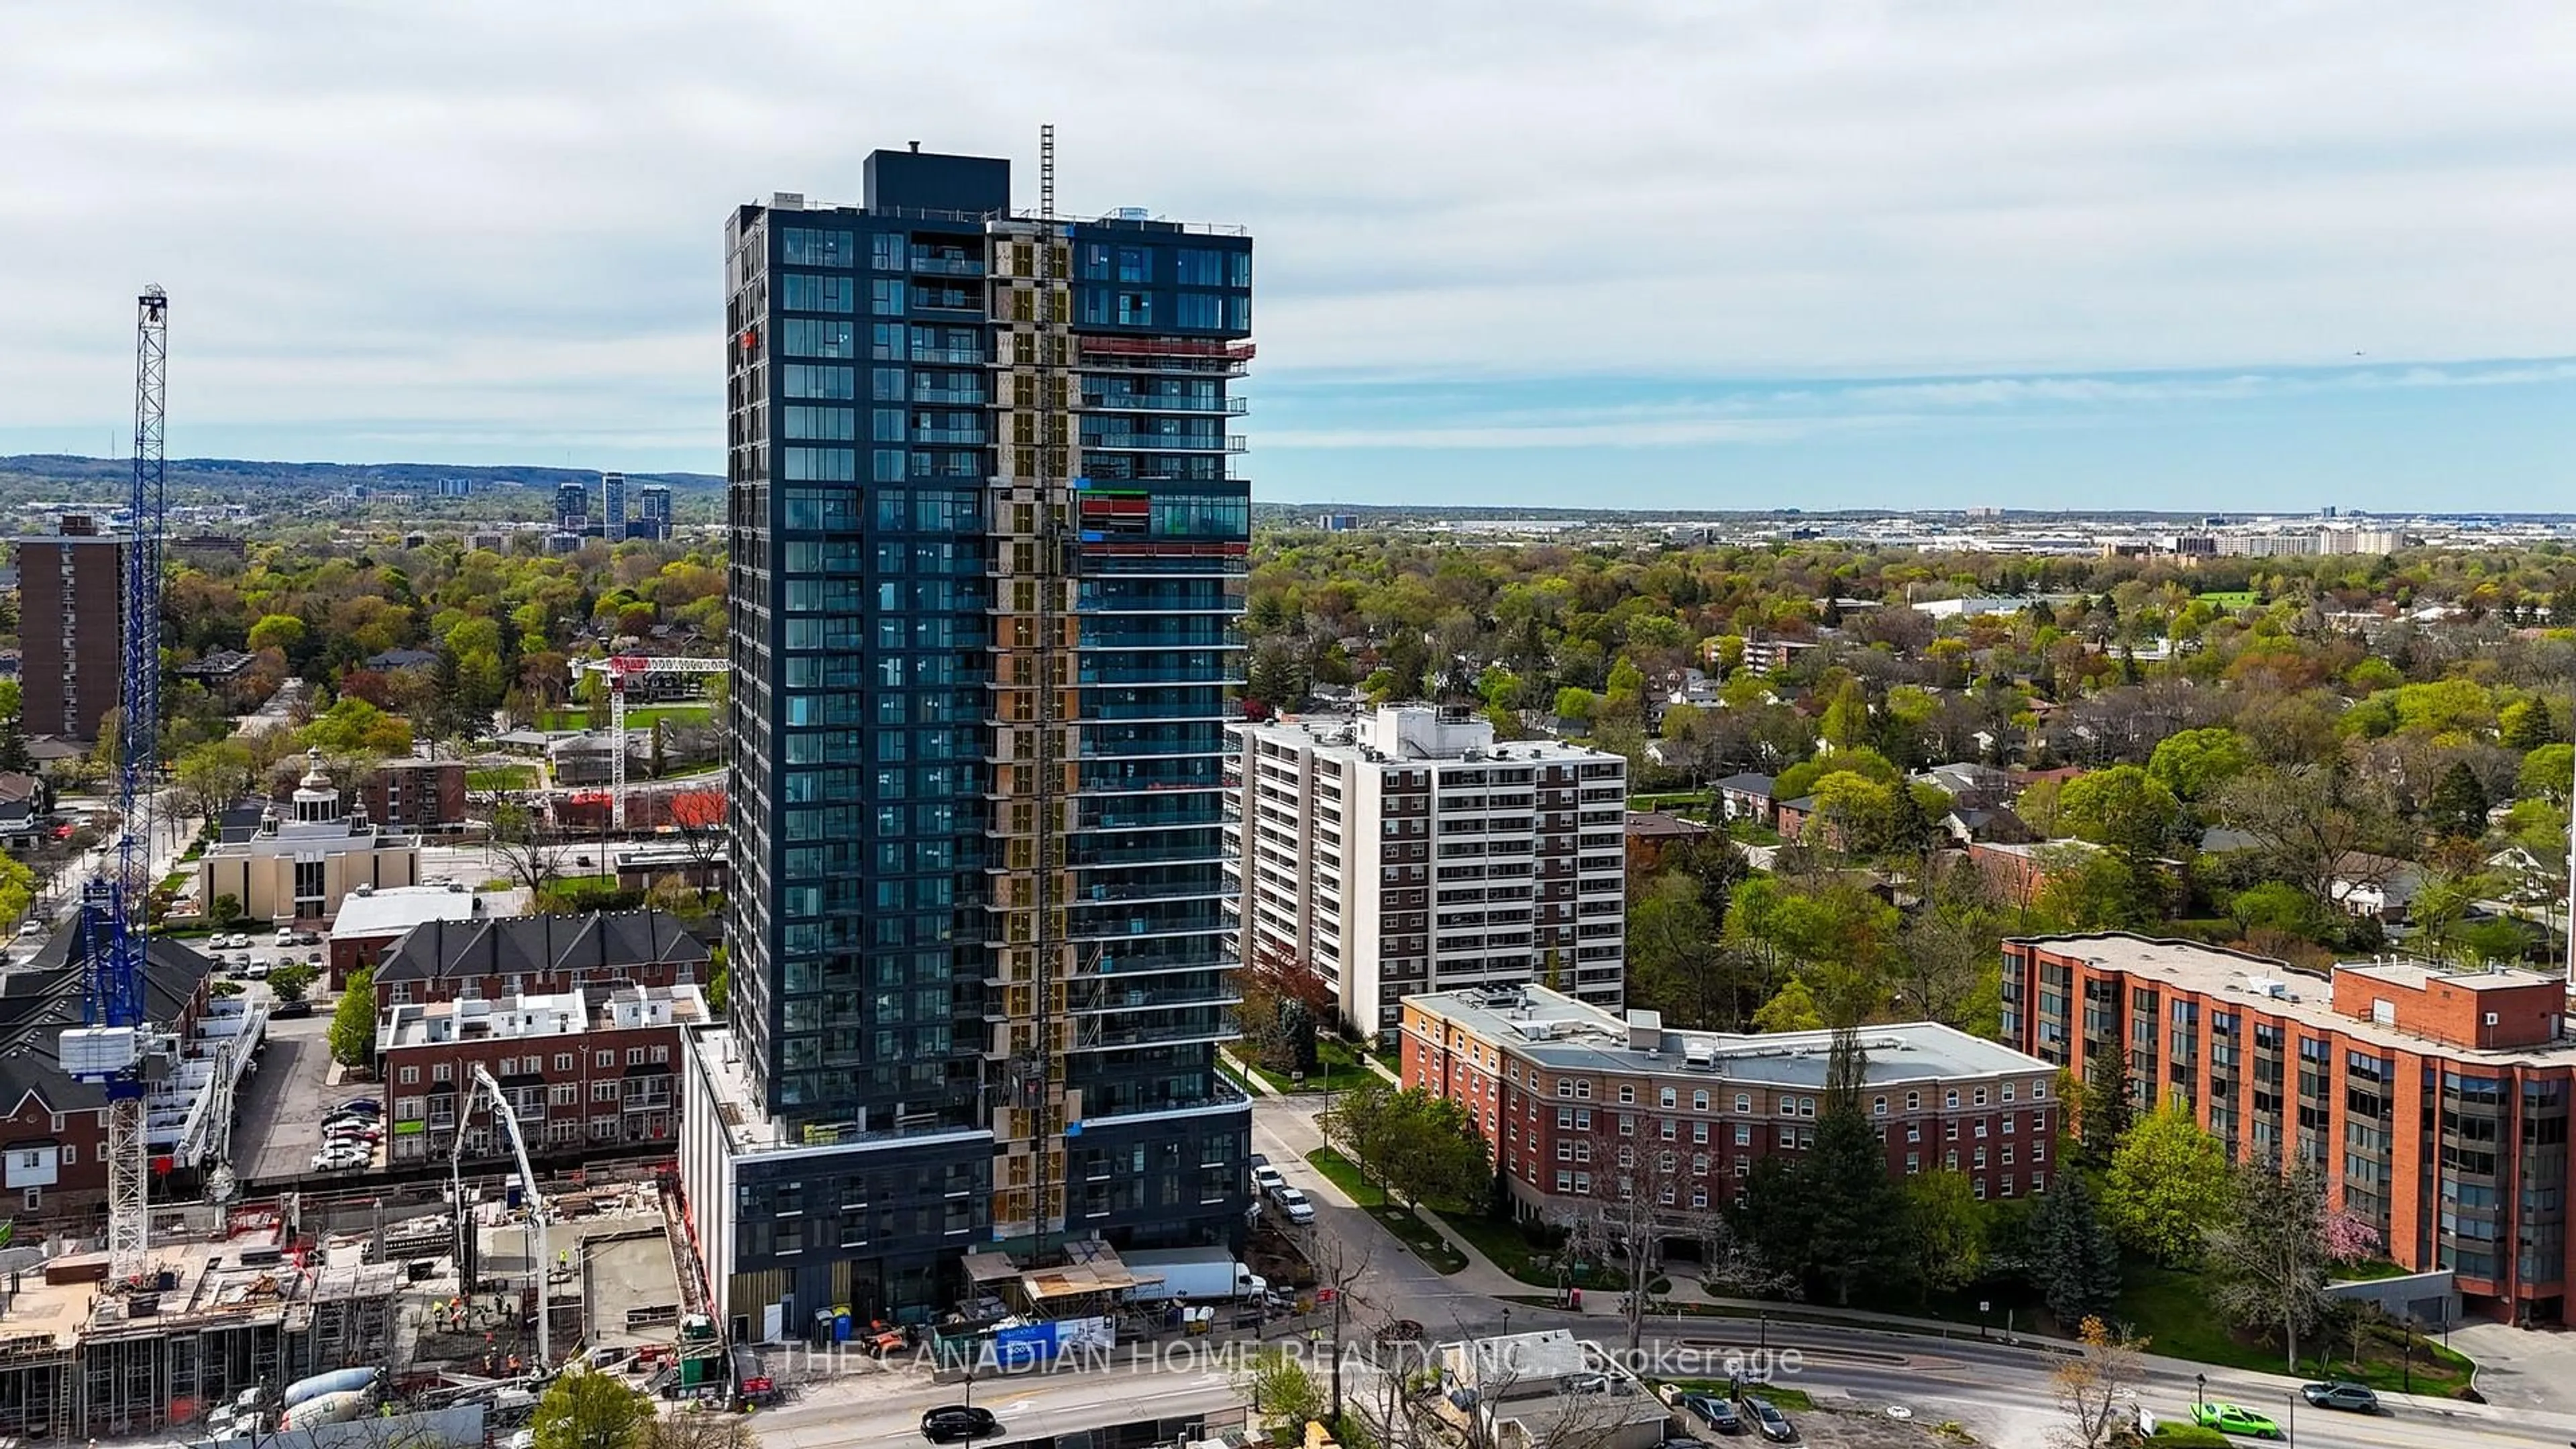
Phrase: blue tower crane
[111,1047]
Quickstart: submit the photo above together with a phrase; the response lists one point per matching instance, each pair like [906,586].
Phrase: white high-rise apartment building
[1406,851]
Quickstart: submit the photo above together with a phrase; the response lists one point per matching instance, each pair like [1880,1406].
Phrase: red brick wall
[582,1072]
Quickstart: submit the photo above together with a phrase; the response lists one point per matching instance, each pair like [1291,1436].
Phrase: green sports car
[2234,1419]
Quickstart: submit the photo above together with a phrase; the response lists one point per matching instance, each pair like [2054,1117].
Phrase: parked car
[1267,1178]
[341,1158]
[2351,1398]
[1293,1202]
[295,1010]
[368,1105]
[1716,1413]
[285,937]
[957,1421]
[1773,1424]
[31,928]
[2233,1419]
[308,938]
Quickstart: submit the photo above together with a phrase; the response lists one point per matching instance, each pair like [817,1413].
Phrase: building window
[1878,1106]
[2008,1091]
[1980,1096]
[1669,1099]
[408,1076]
[603,1060]
[563,1061]
[1950,1098]
[1743,1102]
[71,1153]
[1913,1131]
[442,1071]
[1913,1163]
[1699,1101]
[1913,1101]
[603,1091]
[1950,1131]
[1743,1134]
[1627,1092]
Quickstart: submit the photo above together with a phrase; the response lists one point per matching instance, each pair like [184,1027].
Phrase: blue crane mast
[111,1046]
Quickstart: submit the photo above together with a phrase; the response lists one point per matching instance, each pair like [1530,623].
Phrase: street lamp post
[2199,1389]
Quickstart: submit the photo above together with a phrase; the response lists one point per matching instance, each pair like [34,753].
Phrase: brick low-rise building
[416,795]
[592,1067]
[1552,1082]
[2435,1101]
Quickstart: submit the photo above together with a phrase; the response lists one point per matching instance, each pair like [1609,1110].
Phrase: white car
[1293,1203]
[1267,1178]
[340,1159]
[285,938]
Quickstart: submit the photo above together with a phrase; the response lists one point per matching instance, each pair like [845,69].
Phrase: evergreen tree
[13,747]
[2459,805]
[1857,1217]
[2074,1260]
[2108,1105]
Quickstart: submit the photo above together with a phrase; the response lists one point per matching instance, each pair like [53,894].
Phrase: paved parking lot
[278,1121]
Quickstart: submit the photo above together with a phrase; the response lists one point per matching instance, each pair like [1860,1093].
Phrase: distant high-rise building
[572,507]
[71,627]
[455,487]
[985,558]
[653,511]
[612,505]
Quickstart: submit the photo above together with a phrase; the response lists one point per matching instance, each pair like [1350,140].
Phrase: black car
[957,1421]
[292,1010]
[1775,1426]
[1715,1412]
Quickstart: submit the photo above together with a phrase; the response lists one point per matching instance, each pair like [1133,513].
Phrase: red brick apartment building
[71,628]
[586,1068]
[2435,1101]
[416,795]
[1555,1082]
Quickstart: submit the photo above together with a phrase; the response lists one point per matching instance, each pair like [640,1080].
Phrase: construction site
[457,1308]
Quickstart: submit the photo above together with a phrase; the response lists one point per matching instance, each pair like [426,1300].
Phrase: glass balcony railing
[947,265]
[953,356]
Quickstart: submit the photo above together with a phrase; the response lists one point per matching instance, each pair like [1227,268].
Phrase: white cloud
[442,218]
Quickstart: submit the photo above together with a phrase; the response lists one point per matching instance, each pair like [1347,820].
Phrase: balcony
[1109,442]
[952,356]
[1121,996]
[952,437]
[1121,401]
[954,396]
[946,264]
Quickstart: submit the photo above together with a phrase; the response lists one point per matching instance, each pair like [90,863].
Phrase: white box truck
[1197,1273]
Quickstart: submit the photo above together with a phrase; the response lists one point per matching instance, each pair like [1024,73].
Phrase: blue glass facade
[987,563]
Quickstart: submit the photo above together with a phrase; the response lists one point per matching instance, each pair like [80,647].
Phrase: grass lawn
[1413,1232]
[1339,1070]
[1504,1245]
[638,717]
[1753,832]
[2231,598]
[502,777]
[2170,1310]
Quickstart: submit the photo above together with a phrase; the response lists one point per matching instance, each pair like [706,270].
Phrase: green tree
[225,910]
[719,979]
[1949,1227]
[293,980]
[353,1021]
[2168,1182]
[2125,810]
[586,1409]
[352,727]
[2525,725]
[1856,1230]
[2195,763]
[1418,1146]
[1280,1390]
[1791,1008]
[2105,1106]
[1846,722]
[2459,803]
[2547,771]
[2089,890]
[2269,1255]
[2074,1261]
[281,632]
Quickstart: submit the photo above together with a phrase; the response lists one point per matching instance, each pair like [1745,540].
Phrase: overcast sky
[1711,255]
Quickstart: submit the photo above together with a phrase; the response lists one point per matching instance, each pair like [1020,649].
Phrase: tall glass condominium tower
[987,557]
